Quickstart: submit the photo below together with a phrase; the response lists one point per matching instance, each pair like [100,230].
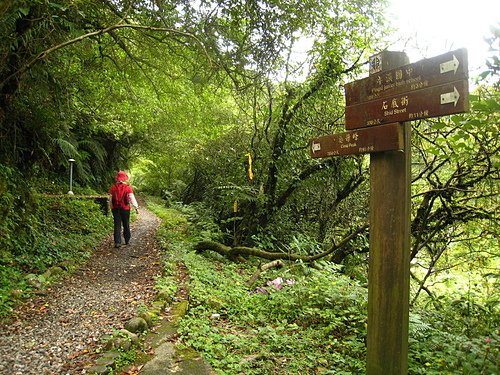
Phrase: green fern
[242,193]
[418,329]
[67,148]
[97,150]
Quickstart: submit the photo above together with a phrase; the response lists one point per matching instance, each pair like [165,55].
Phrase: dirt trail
[57,332]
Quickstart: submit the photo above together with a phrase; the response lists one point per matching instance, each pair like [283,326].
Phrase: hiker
[122,196]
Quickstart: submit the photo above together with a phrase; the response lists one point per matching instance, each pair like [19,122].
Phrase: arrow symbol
[316,147]
[450,65]
[450,97]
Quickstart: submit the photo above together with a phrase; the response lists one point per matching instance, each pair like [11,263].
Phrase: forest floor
[59,330]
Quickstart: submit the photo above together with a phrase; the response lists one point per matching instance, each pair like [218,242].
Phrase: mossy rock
[159,306]
[149,317]
[132,337]
[163,296]
[104,361]
[98,369]
[137,325]
[56,270]
[112,355]
[35,281]
[180,309]
[119,343]
[52,272]
[123,340]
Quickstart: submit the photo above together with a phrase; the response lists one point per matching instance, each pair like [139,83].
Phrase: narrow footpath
[57,331]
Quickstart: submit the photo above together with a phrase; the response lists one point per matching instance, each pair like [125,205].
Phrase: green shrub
[38,231]
[62,229]
[316,325]
[438,345]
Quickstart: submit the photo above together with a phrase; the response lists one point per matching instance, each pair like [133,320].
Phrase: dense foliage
[38,231]
[206,103]
[310,320]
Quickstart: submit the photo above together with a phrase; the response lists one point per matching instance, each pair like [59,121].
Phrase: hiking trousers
[121,218]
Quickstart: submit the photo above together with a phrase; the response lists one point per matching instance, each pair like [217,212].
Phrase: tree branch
[236,251]
[42,55]
[312,169]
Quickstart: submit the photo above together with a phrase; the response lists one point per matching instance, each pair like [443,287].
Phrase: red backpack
[119,196]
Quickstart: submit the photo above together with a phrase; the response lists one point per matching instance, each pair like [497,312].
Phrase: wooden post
[389,266]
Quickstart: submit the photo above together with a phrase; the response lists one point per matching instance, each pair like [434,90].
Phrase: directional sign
[433,101]
[449,67]
[369,140]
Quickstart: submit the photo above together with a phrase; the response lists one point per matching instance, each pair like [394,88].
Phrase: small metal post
[71,161]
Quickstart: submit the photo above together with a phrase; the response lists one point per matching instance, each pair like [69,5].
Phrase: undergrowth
[39,231]
[315,323]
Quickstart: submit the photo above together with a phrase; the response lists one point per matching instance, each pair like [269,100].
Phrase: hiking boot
[117,245]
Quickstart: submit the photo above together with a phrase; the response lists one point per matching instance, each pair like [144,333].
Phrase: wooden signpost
[434,101]
[380,138]
[389,265]
[449,67]
[394,92]
[428,88]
